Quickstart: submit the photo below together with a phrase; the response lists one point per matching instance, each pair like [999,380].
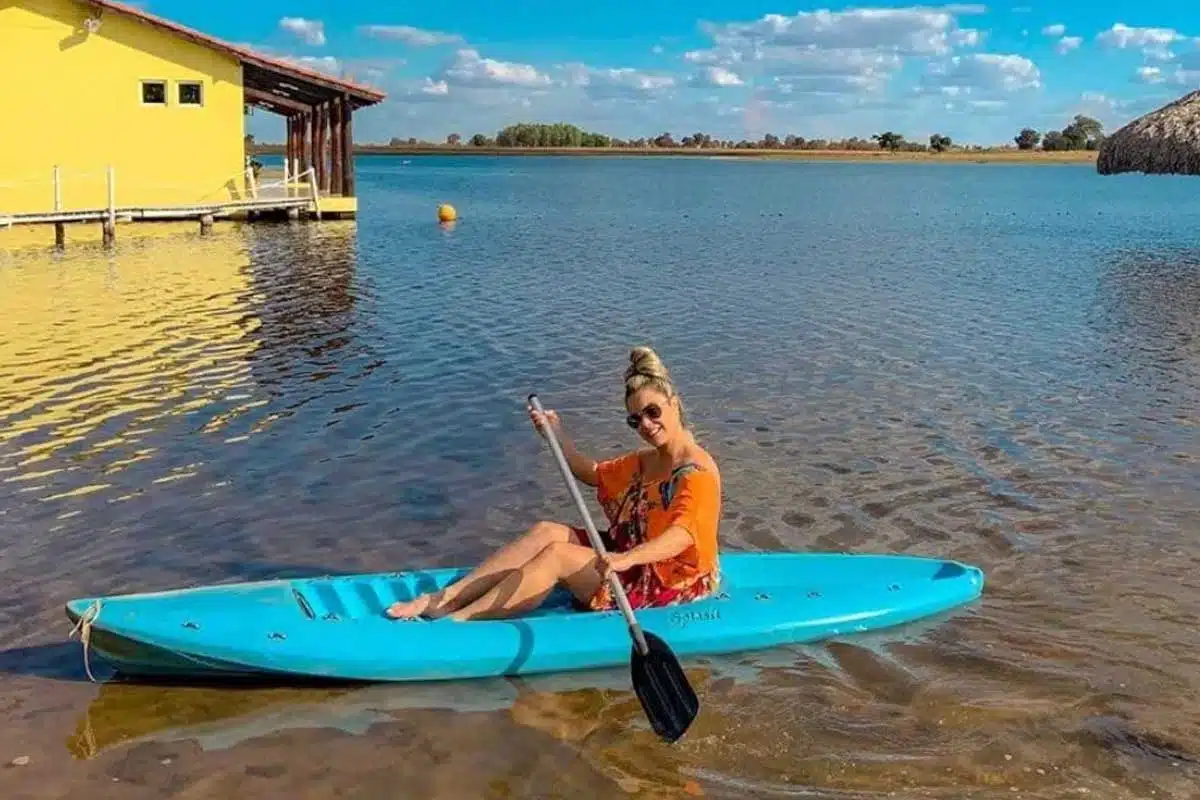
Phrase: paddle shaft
[614,580]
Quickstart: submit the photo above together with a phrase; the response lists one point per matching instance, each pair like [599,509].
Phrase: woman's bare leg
[524,589]
[510,557]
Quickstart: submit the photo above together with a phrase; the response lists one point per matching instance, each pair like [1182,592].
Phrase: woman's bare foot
[410,609]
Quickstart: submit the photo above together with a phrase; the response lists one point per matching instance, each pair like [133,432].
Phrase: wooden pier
[291,198]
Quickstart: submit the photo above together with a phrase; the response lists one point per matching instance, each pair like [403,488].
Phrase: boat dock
[292,197]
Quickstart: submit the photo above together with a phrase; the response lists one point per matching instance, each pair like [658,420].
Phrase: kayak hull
[335,628]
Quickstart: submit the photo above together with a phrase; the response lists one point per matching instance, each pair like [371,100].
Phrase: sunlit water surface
[998,364]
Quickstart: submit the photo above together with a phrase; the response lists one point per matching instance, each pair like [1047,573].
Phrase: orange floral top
[638,511]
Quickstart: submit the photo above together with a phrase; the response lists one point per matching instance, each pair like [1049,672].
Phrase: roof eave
[360,94]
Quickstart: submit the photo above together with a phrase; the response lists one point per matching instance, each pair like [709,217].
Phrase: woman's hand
[616,563]
[540,420]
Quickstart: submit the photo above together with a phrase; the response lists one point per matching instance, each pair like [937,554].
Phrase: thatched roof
[1163,142]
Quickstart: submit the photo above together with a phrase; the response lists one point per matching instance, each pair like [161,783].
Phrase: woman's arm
[674,541]
[583,468]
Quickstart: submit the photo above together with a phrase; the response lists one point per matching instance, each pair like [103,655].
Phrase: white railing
[60,184]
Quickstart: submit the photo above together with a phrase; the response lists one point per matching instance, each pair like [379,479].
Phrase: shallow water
[998,364]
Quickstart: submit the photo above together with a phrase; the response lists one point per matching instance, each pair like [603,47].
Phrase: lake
[993,363]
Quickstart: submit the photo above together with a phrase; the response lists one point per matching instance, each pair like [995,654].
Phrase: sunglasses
[651,412]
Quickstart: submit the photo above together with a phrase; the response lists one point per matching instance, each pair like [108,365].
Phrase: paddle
[663,689]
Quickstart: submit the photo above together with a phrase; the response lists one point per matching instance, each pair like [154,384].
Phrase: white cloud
[814,61]
[1055,30]
[980,72]
[414,37]
[1182,75]
[435,88]
[965,37]
[602,83]
[1068,43]
[716,77]
[855,51]
[1148,75]
[469,69]
[791,85]
[1153,42]
[915,30]
[326,64]
[310,31]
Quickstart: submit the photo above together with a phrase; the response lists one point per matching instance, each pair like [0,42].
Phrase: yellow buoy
[446,213]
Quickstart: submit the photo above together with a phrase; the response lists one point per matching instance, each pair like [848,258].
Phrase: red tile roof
[364,95]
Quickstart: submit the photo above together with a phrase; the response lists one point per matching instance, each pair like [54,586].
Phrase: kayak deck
[336,628]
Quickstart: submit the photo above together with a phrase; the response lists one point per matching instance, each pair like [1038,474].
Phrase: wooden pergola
[318,107]
[319,113]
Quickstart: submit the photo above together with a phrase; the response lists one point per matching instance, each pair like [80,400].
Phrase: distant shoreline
[999,156]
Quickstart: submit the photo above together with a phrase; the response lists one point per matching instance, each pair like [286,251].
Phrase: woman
[663,506]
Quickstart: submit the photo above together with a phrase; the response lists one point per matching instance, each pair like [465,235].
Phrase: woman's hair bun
[644,361]
[646,368]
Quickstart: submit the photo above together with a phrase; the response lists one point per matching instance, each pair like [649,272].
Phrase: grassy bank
[1007,155]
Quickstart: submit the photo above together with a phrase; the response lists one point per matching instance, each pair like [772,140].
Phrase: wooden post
[110,221]
[312,140]
[60,230]
[301,153]
[336,156]
[287,149]
[292,167]
[347,148]
[324,169]
[318,142]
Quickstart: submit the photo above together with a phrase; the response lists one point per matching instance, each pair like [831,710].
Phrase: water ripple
[955,372]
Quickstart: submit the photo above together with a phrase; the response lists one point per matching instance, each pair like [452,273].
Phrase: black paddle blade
[667,697]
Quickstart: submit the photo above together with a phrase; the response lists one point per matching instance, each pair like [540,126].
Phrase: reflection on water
[961,377]
[567,706]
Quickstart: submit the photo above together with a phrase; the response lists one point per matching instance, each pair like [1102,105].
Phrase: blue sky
[975,72]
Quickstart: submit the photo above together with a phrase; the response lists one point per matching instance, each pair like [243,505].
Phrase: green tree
[557,134]
[1083,133]
[1027,139]
[1055,140]
[939,143]
[889,140]
[453,140]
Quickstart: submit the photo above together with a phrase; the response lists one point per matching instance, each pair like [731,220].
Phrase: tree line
[1080,134]
[1083,133]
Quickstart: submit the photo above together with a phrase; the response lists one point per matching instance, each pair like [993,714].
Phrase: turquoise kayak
[335,627]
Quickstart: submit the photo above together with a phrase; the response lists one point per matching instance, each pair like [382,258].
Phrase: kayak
[334,627]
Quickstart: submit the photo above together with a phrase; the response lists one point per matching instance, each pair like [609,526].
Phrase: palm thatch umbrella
[1163,142]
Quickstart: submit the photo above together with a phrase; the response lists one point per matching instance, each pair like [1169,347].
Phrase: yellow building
[109,107]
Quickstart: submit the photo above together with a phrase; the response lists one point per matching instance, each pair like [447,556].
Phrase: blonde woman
[662,503]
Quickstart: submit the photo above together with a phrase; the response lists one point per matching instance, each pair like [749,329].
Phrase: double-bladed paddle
[662,687]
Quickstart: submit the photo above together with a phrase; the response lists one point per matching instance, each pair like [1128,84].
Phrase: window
[190,93]
[154,93]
